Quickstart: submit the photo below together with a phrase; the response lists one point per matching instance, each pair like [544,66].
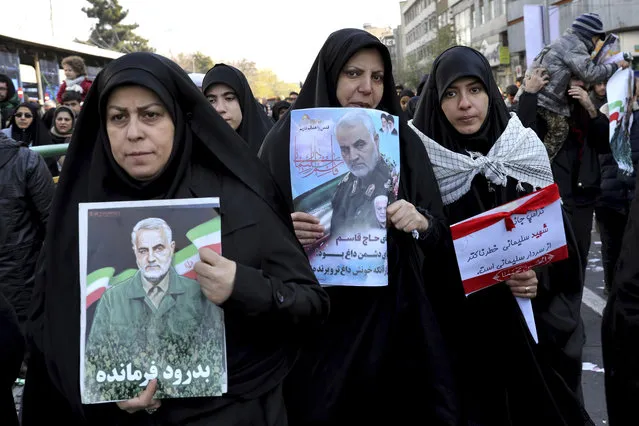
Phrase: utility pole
[546,22]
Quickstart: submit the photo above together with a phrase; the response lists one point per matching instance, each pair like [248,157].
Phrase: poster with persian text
[344,166]
[143,314]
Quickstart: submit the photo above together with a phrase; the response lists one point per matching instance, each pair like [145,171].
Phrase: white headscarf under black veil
[368,327]
[255,123]
[204,145]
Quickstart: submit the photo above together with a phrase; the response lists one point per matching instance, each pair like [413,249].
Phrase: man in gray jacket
[568,56]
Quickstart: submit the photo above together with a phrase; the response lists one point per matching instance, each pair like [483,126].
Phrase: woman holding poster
[382,346]
[147,133]
[483,158]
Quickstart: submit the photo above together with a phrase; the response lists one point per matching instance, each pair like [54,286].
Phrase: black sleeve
[527,111]
[40,187]
[598,139]
[284,284]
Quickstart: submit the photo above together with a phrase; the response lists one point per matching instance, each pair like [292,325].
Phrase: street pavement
[594,302]
[591,310]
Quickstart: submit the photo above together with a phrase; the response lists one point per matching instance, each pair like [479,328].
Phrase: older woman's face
[465,104]
[140,131]
[63,122]
[24,117]
[361,81]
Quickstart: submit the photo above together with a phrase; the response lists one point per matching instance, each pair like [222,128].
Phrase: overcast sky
[284,35]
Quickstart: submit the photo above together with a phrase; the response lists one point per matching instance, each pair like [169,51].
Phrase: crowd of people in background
[393,354]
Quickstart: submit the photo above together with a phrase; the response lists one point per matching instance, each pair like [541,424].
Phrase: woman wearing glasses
[26,127]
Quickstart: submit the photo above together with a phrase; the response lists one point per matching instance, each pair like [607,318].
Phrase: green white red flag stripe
[207,234]
[97,283]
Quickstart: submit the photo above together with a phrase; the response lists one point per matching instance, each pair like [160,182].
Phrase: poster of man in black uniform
[369,176]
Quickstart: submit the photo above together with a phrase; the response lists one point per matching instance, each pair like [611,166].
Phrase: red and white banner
[509,239]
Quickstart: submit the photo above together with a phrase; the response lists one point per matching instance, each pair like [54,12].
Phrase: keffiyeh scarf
[517,153]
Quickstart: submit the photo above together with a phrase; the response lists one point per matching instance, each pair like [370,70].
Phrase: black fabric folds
[381,355]
[205,150]
[255,123]
[620,327]
[508,373]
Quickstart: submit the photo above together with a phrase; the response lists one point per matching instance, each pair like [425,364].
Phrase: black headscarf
[255,123]
[372,329]
[277,107]
[11,89]
[411,107]
[36,134]
[56,136]
[452,64]
[204,147]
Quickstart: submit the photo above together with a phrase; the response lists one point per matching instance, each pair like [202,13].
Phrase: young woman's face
[63,122]
[140,131]
[465,104]
[224,100]
[361,81]
[24,117]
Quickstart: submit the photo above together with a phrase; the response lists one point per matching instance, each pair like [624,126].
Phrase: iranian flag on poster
[207,235]
[97,283]
[184,261]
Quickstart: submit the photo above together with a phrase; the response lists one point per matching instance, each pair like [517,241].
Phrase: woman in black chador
[145,132]
[381,357]
[228,91]
[483,157]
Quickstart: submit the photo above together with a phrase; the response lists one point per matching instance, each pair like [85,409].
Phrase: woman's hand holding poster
[513,238]
[345,172]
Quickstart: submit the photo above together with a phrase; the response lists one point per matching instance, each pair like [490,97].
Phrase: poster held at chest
[143,314]
[344,165]
[509,239]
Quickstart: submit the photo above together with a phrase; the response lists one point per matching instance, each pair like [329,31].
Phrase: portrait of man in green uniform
[155,318]
[369,175]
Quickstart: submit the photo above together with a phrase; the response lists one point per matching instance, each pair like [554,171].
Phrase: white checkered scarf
[517,153]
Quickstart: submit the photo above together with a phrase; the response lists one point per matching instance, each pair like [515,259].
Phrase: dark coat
[12,344]
[620,329]
[26,192]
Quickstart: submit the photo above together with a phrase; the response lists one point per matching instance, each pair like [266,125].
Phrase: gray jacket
[567,56]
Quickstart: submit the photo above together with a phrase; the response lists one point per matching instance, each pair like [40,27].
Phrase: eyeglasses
[24,114]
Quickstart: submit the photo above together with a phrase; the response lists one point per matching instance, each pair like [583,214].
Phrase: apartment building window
[491,10]
[482,13]
[462,27]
